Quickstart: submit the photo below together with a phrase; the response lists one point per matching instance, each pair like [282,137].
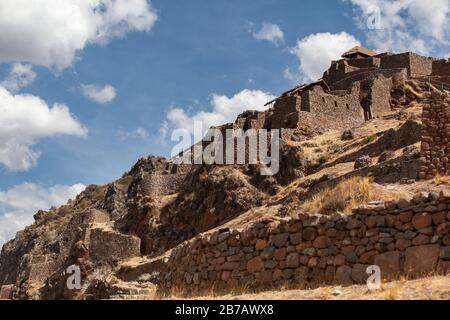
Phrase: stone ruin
[357,88]
[310,250]
[436,136]
[91,233]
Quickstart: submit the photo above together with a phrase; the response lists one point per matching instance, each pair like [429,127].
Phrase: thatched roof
[301,88]
[361,51]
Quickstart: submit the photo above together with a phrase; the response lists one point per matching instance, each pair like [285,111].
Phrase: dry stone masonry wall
[436,136]
[404,237]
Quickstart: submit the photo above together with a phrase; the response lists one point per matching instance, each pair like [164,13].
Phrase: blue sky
[194,50]
[161,56]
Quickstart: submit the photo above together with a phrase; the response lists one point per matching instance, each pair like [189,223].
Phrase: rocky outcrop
[209,197]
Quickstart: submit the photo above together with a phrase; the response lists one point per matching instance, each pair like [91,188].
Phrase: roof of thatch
[360,50]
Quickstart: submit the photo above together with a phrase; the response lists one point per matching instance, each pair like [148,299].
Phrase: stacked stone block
[436,136]
[408,237]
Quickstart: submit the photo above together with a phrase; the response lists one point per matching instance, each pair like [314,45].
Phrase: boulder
[389,264]
[296,238]
[255,265]
[363,162]
[421,260]
[343,275]
[422,220]
[260,244]
[359,274]
[292,260]
[280,240]
[321,242]
[309,233]
[348,135]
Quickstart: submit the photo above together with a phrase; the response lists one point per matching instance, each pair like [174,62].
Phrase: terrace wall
[402,238]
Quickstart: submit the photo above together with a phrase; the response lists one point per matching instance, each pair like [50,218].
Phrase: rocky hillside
[344,198]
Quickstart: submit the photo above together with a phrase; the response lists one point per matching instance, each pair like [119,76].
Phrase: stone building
[363,85]
[355,89]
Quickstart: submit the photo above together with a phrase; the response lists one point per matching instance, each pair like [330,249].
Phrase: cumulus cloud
[53,32]
[24,120]
[20,75]
[20,203]
[100,94]
[269,32]
[138,133]
[315,53]
[405,25]
[223,110]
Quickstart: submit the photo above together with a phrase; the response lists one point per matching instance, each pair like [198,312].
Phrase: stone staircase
[137,278]
[133,291]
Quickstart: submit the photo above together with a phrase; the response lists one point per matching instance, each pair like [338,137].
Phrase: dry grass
[413,88]
[347,195]
[392,290]
[179,292]
[441,180]
[431,288]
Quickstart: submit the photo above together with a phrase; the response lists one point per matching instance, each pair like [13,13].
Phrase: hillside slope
[345,197]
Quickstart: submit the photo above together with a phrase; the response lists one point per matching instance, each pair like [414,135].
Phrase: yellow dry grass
[430,288]
[441,180]
[414,89]
[347,195]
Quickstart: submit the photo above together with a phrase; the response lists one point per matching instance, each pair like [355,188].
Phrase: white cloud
[224,110]
[406,25]
[20,75]
[100,94]
[138,133]
[316,52]
[52,32]
[269,32]
[24,120]
[20,203]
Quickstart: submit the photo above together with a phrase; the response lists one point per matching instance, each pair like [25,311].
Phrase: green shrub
[369,139]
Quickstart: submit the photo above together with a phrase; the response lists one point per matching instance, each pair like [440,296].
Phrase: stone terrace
[403,238]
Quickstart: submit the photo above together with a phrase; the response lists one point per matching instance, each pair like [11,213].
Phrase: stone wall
[110,245]
[163,184]
[436,136]
[285,113]
[415,64]
[335,112]
[408,237]
[41,267]
[379,93]
[78,230]
[7,292]
[365,74]
[420,65]
[251,120]
[441,68]
[287,105]
[370,62]
[337,71]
